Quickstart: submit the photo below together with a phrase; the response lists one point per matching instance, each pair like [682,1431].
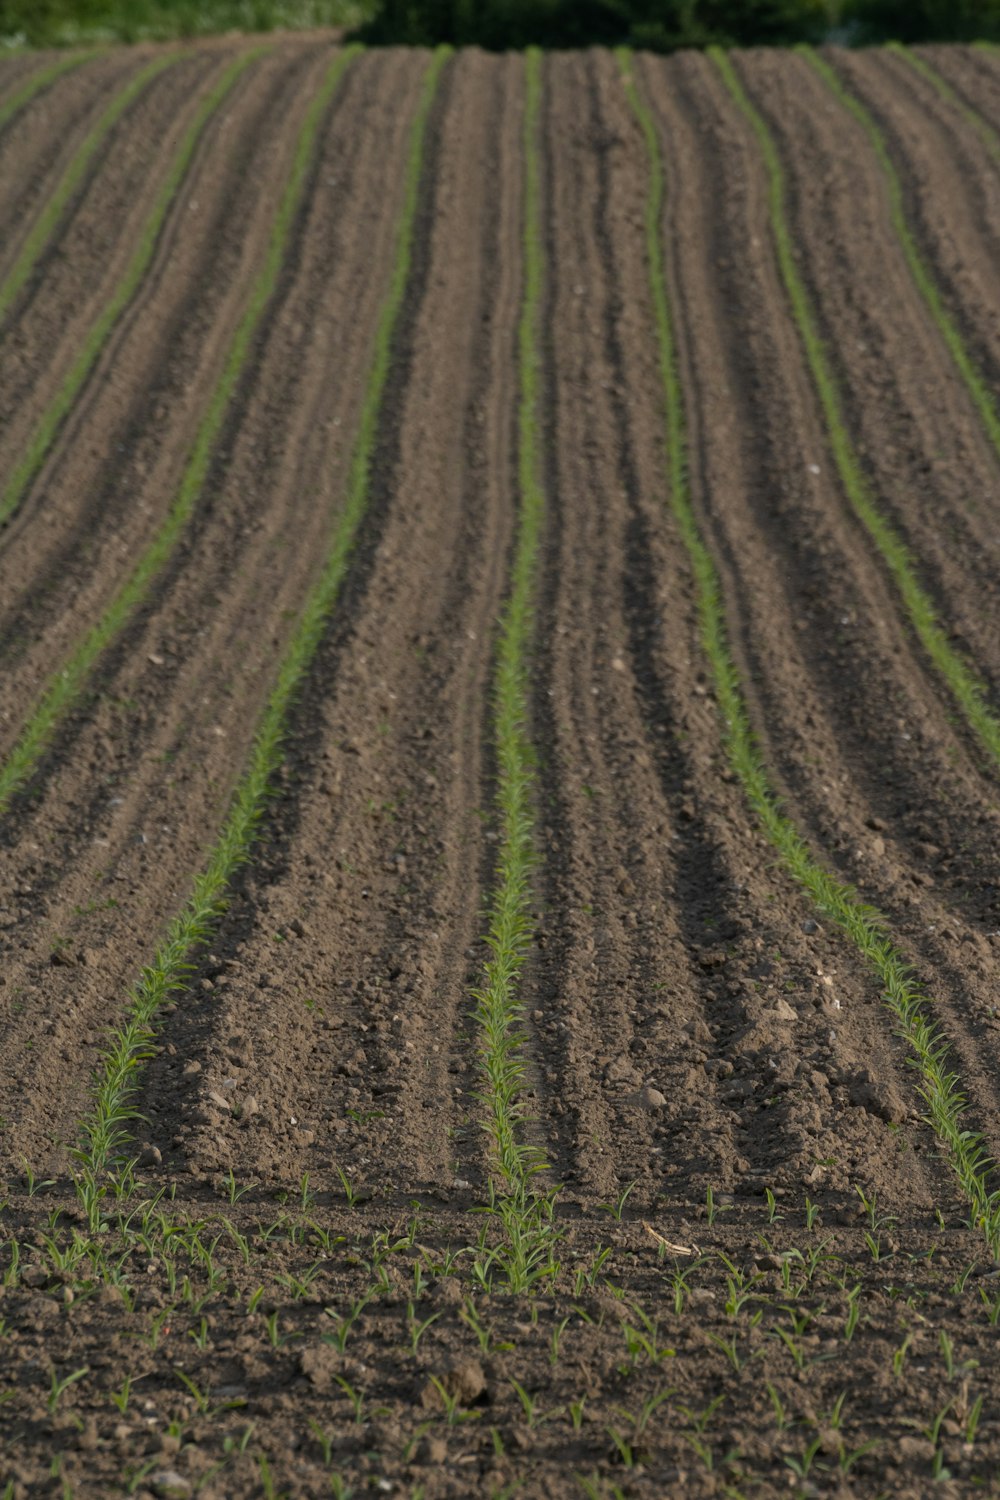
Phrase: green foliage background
[42,23]
[658,24]
[668,24]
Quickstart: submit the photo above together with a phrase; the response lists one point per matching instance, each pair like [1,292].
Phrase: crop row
[105,1140]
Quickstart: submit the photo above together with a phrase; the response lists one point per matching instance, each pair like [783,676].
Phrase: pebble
[169,1482]
[650,1098]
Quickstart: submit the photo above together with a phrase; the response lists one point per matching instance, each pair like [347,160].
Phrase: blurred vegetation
[662,25]
[53,23]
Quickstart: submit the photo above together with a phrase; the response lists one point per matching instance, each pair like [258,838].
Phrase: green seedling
[326,1441]
[416,1328]
[617,1208]
[31,1181]
[972,1420]
[58,1387]
[267,1483]
[780,1415]
[801,1466]
[276,1338]
[486,1336]
[200,1334]
[899,1355]
[233,1190]
[867,928]
[453,1410]
[953,1370]
[121,1397]
[342,1332]
[712,1208]
[106,1131]
[529,1405]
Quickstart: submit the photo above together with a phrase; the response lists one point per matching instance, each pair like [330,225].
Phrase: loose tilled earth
[761,1274]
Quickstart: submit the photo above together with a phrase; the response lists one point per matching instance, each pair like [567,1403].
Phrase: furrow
[138,785]
[30,441]
[602,963]
[970,74]
[89,251]
[957,671]
[34,242]
[28,88]
[939,1087]
[370,869]
[921,272]
[188,476]
[922,454]
[675,1057]
[34,156]
[106,1130]
[846,714]
[842,707]
[948,192]
[925,69]
[115,466]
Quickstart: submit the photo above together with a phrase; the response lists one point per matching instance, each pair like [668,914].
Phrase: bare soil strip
[74,179]
[384,797]
[324,1318]
[724,361]
[85,570]
[937,469]
[76,278]
[169,699]
[51,374]
[25,78]
[39,143]
[642,940]
[951,190]
[972,72]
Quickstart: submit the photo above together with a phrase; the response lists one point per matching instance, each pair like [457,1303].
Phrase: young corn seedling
[529,1405]
[417,1328]
[58,1387]
[617,1208]
[451,1401]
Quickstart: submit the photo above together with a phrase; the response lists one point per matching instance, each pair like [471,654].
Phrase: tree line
[665,25]
[661,25]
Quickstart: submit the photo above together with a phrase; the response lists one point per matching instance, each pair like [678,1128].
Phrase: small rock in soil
[648,1098]
[169,1482]
[464,1382]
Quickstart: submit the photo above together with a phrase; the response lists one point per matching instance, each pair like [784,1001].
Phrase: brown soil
[40,139]
[950,183]
[710,1073]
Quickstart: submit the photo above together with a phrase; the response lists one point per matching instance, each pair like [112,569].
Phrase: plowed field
[499,766]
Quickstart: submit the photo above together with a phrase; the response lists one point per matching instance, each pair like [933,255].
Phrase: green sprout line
[923,277]
[56,412]
[65,686]
[939,1086]
[71,178]
[972,117]
[105,1133]
[498,1007]
[37,82]
[964,682]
